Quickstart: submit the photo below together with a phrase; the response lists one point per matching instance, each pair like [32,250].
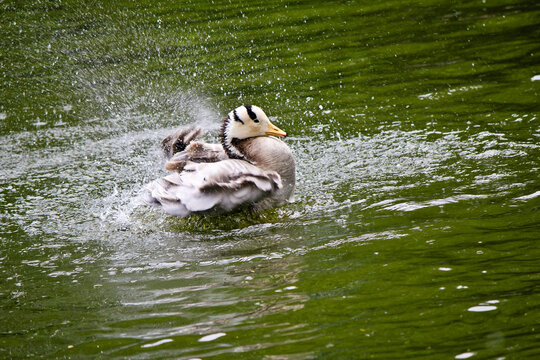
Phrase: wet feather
[248,168]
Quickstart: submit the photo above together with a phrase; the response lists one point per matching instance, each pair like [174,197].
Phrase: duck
[251,168]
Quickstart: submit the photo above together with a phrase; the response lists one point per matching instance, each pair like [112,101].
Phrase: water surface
[413,234]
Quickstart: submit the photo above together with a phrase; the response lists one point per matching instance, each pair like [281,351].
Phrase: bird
[251,168]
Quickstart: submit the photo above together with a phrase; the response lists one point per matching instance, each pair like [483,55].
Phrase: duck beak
[274,130]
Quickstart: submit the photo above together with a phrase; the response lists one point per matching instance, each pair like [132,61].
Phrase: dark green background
[416,134]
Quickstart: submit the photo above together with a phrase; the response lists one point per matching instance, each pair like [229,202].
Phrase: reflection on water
[414,226]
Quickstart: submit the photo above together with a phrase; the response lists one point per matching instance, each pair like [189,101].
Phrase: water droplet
[482,308]
[465,355]
[157,343]
[211,337]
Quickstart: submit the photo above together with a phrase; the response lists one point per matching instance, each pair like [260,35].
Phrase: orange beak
[274,130]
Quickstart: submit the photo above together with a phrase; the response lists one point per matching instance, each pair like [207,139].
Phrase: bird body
[248,169]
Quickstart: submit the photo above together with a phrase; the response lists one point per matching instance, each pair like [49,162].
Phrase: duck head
[245,122]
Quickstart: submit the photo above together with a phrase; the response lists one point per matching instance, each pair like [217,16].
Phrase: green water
[413,235]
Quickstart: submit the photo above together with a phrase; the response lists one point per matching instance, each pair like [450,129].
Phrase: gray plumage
[255,171]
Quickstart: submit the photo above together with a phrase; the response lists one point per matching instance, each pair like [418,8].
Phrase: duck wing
[212,187]
[179,140]
[197,152]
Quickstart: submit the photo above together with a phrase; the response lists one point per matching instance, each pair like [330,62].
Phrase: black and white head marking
[251,114]
[237,118]
[241,123]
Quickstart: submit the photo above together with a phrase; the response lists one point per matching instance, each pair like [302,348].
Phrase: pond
[413,232]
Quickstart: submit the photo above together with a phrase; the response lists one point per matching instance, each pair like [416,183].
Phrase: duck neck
[230,144]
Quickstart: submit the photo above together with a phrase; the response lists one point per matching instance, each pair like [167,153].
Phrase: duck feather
[206,178]
[218,186]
